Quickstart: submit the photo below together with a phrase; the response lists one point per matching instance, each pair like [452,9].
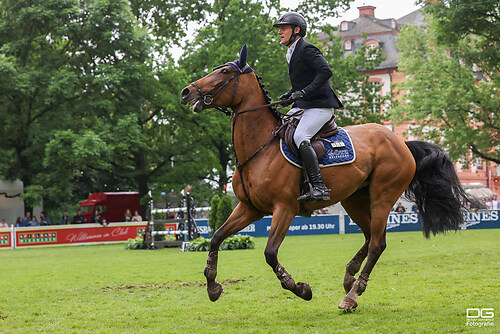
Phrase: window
[370,45]
[479,164]
[344,25]
[347,44]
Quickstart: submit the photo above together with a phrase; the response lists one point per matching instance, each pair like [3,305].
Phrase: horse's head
[219,88]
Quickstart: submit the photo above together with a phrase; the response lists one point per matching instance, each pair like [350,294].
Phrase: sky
[385,9]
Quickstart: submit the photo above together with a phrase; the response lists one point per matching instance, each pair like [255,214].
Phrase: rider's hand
[285,96]
[297,95]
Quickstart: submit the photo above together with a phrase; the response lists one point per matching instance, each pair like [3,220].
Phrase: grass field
[418,286]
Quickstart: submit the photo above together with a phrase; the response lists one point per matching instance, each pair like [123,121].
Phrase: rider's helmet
[295,20]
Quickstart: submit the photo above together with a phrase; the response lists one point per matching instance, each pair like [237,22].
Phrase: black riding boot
[318,192]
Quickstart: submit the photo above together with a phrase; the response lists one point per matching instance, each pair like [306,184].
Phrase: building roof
[382,30]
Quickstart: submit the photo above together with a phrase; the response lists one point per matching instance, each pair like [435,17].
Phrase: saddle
[329,129]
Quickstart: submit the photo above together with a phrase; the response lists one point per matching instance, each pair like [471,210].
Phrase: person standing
[311,91]
[64,219]
[44,220]
[79,218]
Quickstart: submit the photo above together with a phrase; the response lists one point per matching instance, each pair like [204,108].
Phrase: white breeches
[311,121]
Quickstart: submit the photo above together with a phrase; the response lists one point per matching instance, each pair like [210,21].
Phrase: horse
[386,166]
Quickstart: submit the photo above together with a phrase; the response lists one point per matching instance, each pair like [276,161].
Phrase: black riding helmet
[295,20]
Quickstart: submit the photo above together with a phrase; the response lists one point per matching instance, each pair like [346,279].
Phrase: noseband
[208,98]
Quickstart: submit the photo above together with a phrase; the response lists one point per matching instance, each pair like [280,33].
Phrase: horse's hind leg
[242,216]
[358,208]
[386,185]
[282,217]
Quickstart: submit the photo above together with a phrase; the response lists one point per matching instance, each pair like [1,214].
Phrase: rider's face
[285,32]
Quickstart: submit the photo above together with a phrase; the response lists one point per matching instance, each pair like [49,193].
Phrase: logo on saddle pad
[339,150]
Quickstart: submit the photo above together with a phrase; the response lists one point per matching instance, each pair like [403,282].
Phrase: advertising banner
[75,234]
[5,236]
[321,224]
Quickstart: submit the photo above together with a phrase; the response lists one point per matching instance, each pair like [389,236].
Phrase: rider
[311,91]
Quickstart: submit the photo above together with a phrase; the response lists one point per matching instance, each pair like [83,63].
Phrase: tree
[37,85]
[447,101]
[361,98]
[478,21]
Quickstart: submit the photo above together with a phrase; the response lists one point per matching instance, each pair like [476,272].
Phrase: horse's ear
[243,56]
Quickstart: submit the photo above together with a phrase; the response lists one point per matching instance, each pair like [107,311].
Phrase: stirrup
[315,194]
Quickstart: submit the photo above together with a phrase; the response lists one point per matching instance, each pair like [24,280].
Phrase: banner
[321,224]
[77,234]
[5,236]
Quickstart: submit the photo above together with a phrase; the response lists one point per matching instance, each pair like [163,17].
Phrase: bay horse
[265,183]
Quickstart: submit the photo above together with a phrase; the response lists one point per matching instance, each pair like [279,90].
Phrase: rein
[208,99]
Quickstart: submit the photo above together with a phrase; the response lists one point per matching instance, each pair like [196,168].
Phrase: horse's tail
[435,189]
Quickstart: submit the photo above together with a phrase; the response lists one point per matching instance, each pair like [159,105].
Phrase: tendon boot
[318,191]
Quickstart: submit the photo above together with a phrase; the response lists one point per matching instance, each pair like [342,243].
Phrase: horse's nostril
[185,92]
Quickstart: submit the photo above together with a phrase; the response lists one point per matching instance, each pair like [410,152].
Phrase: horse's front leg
[242,216]
[279,226]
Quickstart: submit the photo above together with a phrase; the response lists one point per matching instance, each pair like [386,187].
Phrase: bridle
[208,99]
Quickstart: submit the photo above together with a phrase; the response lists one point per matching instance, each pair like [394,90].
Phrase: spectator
[414,208]
[127,216]
[488,203]
[33,222]
[495,204]
[79,218]
[27,219]
[137,217]
[3,224]
[97,219]
[44,220]
[64,219]
[19,222]
[400,208]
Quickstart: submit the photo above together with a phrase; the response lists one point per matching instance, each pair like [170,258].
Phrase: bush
[224,210]
[212,217]
[233,242]
[134,243]
[198,245]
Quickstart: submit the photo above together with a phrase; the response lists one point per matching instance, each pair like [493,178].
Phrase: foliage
[361,98]
[238,242]
[212,216]
[408,288]
[445,100]
[198,245]
[475,20]
[224,209]
[233,242]
[135,243]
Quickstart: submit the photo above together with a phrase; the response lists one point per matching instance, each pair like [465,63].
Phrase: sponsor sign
[5,239]
[322,224]
[74,234]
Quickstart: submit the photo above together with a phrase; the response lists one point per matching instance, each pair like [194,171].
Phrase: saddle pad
[339,150]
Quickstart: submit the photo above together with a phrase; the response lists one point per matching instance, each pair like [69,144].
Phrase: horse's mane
[273,109]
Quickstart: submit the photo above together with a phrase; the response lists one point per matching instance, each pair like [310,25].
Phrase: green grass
[418,286]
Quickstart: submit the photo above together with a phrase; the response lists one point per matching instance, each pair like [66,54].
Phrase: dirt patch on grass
[164,285]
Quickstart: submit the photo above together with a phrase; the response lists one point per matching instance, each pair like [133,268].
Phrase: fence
[119,232]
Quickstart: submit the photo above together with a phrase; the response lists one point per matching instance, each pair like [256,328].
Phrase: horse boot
[318,191]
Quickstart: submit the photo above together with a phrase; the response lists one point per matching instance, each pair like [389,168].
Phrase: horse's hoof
[348,304]
[214,291]
[305,291]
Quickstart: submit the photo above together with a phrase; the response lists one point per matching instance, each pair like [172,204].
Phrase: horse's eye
[224,71]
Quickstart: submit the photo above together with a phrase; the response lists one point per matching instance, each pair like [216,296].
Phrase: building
[371,31]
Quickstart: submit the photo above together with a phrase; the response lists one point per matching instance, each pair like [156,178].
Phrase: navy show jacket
[309,71]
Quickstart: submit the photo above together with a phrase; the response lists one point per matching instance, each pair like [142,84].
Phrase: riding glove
[297,95]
